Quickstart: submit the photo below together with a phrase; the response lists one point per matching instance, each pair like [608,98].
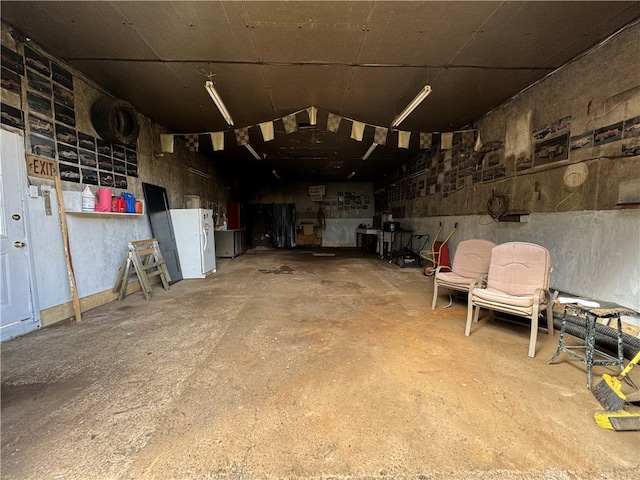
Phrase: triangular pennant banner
[380,137]
[290,123]
[192,142]
[333,122]
[267,131]
[425,140]
[446,140]
[166,142]
[357,130]
[242,136]
[313,115]
[403,139]
[217,140]
[478,144]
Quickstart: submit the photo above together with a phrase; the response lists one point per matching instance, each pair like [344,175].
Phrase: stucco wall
[594,254]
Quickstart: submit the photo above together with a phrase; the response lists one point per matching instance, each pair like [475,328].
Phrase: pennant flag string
[290,123]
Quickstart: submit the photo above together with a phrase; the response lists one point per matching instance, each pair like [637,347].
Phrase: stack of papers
[578,301]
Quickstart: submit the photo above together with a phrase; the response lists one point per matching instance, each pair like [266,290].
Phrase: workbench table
[593,310]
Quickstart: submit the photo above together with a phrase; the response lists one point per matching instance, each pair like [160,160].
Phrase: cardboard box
[307,228]
[192,201]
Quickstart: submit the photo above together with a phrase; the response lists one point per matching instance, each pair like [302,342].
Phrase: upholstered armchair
[517,283]
[470,263]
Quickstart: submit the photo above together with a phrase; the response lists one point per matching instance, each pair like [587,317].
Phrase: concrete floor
[290,364]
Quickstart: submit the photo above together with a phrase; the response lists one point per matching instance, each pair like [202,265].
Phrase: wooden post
[67,252]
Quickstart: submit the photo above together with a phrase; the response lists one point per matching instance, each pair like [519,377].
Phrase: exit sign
[41,167]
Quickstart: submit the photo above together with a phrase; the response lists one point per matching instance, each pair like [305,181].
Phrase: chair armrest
[442,267]
[477,283]
[539,296]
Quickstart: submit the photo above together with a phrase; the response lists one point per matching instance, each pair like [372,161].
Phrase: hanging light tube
[351,175]
[200,173]
[275,174]
[370,151]
[253,152]
[422,94]
[211,90]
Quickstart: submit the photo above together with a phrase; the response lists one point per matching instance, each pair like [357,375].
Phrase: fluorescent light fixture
[195,171]
[275,174]
[351,175]
[370,151]
[211,90]
[422,94]
[253,152]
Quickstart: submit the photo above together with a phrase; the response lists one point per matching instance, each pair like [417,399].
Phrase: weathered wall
[98,244]
[594,242]
[598,90]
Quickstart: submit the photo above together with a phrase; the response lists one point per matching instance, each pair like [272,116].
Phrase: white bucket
[88,200]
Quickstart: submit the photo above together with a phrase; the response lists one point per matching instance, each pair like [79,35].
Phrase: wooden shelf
[105,214]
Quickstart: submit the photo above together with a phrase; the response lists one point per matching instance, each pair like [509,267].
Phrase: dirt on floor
[300,363]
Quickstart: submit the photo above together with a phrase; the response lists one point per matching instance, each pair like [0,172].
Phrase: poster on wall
[40,126]
[11,81]
[552,150]
[12,61]
[552,130]
[584,140]
[11,116]
[37,62]
[41,146]
[49,117]
[69,173]
[608,134]
[632,127]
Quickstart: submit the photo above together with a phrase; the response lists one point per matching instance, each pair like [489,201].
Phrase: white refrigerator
[193,229]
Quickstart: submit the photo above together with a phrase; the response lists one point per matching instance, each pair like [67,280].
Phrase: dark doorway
[271,225]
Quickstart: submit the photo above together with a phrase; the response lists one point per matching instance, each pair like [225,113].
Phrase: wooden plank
[67,250]
[119,278]
[125,278]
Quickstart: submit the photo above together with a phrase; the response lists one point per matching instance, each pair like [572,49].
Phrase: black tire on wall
[115,121]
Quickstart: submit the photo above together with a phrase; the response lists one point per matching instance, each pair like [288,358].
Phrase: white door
[17,312]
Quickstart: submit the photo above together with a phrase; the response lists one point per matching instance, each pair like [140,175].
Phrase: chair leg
[534,330]
[435,294]
[550,318]
[470,315]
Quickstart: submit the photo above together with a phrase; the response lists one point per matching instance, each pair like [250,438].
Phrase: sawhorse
[147,263]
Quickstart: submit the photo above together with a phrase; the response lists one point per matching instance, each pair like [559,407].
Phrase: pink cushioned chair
[471,262]
[517,283]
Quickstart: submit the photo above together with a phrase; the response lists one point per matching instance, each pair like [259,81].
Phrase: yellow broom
[620,421]
[609,391]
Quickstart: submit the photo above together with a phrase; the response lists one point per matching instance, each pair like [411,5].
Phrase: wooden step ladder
[147,261]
